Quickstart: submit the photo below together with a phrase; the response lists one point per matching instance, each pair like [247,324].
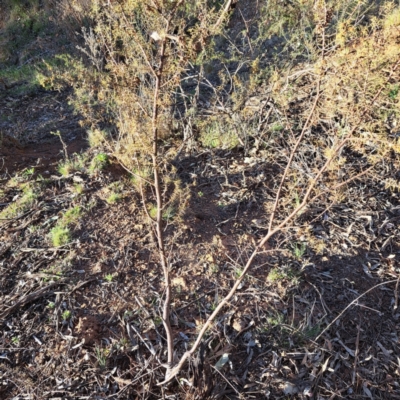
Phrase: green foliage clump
[169,213]
[59,72]
[219,136]
[120,86]
[21,204]
[76,163]
[71,216]
[115,194]
[78,188]
[60,235]
[24,21]
[283,273]
[114,198]
[152,211]
[343,95]
[97,137]
[49,73]
[65,168]
[66,315]
[141,176]
[98,162]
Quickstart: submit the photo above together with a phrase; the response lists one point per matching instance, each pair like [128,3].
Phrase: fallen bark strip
[59,248]
[44,291]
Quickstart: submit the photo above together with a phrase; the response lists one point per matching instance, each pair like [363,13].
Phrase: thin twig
[353,302]
[44,291]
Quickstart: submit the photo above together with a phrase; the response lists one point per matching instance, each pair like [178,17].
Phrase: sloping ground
[82,320]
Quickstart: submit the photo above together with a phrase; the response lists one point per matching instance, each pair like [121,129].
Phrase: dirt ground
[82,320]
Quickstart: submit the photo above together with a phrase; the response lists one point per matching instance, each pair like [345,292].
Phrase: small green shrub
[394,92]
[66,315]
[71,216]
[58,72]
[299,250]
[47,73]
[65,169]
[283,273]
[98,162]
[78,188]
[141,176]
[23,22]
[169,213]
[76,163]
[275,275]
[15,340]
[109,278]
[114,198]
[153,211]
[96,137]
[214,135]
[60,235]
[238,273]
[101,356]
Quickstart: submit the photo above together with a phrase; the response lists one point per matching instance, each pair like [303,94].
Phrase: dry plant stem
[158,75]
[174,371]
[223,14]
[171,373]
[303,131]
[292,154]
[353,302]
[159,223]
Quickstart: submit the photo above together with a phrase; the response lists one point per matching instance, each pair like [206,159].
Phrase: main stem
[158,74]
[159,222]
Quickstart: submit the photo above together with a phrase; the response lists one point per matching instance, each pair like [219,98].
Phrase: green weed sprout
[113,198]
[60,235]
[71,216]
[66,315]
[98,162]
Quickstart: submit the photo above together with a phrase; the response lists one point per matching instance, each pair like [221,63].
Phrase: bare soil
[300,334]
